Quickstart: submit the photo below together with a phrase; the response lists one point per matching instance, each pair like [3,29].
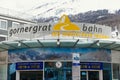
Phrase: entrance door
[31,75]
[53,72]
[93,75]
[58,74]
[90,75]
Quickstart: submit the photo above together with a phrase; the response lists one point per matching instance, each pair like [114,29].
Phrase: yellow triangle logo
[64,24]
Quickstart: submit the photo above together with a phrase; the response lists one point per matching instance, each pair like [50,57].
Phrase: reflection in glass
[11,71]
[54,73]
[93,75]
[83,75]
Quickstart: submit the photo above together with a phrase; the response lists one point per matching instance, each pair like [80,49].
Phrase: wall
[115,56]
[3,65]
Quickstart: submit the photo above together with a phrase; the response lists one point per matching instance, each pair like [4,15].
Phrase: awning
[112,44]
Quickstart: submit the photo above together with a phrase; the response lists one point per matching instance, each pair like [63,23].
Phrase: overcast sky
[84,5]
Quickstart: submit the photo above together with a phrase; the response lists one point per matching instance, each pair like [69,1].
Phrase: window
[107,75]
[15,24]
[11,71]
[116,71]
[54,73]
[3,24]
[2,38]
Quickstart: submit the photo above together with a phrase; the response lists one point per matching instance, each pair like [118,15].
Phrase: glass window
[107,75]
[116,73]
[11,71]
[3,24]
[15,24]
[54,73]
[31,75]
[83,75]
[2,38]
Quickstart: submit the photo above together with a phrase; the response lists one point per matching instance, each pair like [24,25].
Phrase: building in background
[10,19]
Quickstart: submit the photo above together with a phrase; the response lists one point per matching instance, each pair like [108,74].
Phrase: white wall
[115,56]
[3,65]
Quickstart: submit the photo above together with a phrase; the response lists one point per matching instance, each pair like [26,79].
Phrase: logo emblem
[76,58]
[65,24]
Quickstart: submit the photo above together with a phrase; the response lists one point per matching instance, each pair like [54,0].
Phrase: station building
[60,51]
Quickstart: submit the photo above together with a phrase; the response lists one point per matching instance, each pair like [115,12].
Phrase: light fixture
[58,41]
[19,44]
[98,44]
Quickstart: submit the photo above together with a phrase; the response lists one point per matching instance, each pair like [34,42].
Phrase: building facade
[60,51]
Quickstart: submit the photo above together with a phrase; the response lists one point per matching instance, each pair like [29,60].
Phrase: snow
[56,9]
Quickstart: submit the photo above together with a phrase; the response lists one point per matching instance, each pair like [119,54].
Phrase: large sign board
[63,28]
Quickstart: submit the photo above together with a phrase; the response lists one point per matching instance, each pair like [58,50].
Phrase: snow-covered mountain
[56,8]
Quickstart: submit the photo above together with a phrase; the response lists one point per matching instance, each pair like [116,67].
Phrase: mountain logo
[65,24]
[76,58]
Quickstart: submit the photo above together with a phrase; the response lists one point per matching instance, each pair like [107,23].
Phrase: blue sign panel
[91,65]
[76,64]
[29,66]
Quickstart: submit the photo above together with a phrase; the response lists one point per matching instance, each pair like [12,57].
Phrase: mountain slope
[56,9]
[89,17]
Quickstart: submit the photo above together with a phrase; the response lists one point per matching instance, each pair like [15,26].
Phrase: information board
[91,65]
[29,66]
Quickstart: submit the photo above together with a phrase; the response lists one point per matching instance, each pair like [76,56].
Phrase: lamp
[19,44]
[98,44]
[58,41]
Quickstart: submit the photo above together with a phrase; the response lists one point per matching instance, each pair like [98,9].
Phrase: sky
[83,5]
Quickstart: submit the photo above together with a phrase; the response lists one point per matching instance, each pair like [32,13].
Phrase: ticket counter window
[93,75]
[31,75]
[29,71]
[52,72]
[90,75]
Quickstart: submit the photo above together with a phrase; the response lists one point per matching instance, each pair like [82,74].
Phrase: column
[17,75]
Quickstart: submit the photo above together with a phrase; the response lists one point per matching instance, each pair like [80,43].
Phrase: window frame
[15,23]
[5,26]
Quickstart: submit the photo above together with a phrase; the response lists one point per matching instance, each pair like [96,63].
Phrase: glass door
[93,75]
[83,75]
[90,75]
[31,75]
[54,73]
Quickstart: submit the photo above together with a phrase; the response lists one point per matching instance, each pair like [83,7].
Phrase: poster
[37,54]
